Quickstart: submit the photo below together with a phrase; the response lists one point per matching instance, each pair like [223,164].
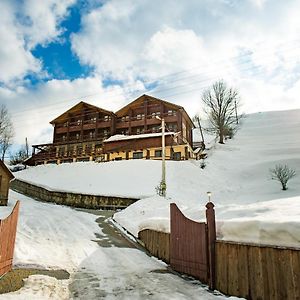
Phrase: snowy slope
[249,205]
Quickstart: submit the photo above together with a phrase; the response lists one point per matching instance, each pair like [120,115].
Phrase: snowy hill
[249,205]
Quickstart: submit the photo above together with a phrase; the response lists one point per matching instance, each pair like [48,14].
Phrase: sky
[55,53]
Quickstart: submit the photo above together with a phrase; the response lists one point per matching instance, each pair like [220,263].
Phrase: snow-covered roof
[121,137]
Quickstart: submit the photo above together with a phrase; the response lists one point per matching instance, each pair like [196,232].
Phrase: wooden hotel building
[87,132]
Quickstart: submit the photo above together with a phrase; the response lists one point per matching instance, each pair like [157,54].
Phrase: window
[63,137]
[172,127]
[77,136]
[93,119]
[138,117]
[108,118]
[158,153]
[137,155]
[92,134]
[66,124]
[78,122]
[118,158]
[177,155]
[171,112]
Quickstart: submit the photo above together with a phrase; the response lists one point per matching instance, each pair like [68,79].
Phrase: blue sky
[57,52]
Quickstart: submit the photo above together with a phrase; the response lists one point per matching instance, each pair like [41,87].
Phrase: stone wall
[70,199]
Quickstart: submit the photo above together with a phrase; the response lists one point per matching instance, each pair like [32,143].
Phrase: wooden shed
[5,177]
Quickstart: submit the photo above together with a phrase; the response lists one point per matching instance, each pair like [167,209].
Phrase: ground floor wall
[178,152]
[71,199]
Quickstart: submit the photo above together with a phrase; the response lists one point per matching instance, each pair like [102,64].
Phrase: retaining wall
[70,199]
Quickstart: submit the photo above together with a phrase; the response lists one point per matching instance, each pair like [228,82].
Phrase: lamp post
[209,195]
[163,186]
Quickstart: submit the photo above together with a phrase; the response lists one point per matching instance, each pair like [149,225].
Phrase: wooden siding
[5,178]
[8,228]
[257,272]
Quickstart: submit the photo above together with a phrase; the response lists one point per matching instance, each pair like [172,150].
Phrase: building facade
[86,132]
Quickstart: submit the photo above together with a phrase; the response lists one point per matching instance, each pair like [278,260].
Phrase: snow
[121,137]
[250,207]
[52,236]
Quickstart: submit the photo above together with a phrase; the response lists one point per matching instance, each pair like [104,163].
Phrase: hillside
[249,205]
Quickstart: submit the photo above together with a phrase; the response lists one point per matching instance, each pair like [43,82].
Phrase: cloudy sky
[55,53]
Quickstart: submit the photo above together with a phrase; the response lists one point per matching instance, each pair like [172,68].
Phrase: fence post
[211,226]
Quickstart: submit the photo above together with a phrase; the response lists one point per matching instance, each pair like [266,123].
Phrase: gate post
[211,227]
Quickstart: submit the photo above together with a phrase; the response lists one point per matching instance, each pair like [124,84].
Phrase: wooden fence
[257,272]
[250,271]
[157,243]
[8,228]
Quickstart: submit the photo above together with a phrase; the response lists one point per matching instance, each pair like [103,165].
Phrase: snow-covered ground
[249,205]
[52,236]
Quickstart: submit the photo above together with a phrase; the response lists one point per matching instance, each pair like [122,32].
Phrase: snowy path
[52,236]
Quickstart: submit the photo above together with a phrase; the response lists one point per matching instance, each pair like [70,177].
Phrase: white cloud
[15,60]
[43,19]
[37,107]
[23,26]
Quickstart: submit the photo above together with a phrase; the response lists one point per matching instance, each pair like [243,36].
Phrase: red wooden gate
[8,228]
[192,245]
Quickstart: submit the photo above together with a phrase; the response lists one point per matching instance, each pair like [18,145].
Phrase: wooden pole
[211,226]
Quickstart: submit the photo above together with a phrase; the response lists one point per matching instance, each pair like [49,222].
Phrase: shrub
[282,174]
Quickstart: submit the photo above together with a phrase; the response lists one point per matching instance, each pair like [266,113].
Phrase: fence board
[8,229]
[295,264]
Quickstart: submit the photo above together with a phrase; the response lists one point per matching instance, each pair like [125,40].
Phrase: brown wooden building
[79,132]
[5,177]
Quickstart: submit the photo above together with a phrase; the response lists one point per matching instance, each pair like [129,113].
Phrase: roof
[77,107]
[121,137]
[140,99]
[6,169]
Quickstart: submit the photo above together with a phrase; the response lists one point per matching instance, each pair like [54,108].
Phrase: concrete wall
[71,199]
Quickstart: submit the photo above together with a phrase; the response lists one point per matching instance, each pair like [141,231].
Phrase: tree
[6,131]
[19,156]
[221,104]
[282,174]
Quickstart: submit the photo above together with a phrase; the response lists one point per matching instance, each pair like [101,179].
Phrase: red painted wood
[188,246]
[8,228]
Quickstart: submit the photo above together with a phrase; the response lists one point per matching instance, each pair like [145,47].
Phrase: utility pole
[163,144]
[27,148]
[163,185]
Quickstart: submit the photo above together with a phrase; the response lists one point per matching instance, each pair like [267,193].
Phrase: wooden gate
[192,245]
[8,228]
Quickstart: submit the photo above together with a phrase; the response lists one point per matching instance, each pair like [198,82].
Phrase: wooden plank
[222,267]
[295,263]
[267,269]
[255,273]
[243,272]
[233,270]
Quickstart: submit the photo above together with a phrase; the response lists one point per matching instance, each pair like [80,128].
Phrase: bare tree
[282,174]
[6,131]
[19,156]
[221,104]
